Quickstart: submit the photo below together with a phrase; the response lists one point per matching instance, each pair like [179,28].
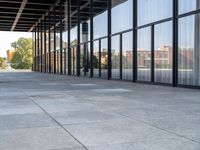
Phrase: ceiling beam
[23,4]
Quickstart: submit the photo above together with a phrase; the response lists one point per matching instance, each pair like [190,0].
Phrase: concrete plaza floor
[57,112]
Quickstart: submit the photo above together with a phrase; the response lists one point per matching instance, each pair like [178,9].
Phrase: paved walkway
[53,112]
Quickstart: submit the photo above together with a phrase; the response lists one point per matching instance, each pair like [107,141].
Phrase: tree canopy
[3,64]
[22,58]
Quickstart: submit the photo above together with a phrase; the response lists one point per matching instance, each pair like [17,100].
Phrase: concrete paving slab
[127,131]
[25,121]
[97,114]
[46,138]
[86,116]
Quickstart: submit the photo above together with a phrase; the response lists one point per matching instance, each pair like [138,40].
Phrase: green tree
[3,64]
[22,58]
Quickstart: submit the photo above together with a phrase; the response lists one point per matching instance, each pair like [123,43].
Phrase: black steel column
[99,57]
[135,40]
[109,3]
[120,50]
[78,39]
[54,41]
[41,48]
[175,42]
[38,55]
[152,53]
[49,27]
[35,49]
[91,39]
[61,45]
[45,46]
[69,40]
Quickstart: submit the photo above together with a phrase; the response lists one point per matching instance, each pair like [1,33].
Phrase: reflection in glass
[122,15]
[82,59]
[100,20]
[96,59]
[47,50]
[52,50]
[153,10]
[65,49]
[87,59]
[73,60]
[189,50]
[127,56]
[163,53]
[104,58]
[144,54]
[115,57]
[57,51]
[188,5]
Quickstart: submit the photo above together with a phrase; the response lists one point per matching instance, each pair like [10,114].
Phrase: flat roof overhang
[25,15]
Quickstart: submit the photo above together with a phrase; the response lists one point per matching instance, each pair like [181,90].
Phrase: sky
[6,38]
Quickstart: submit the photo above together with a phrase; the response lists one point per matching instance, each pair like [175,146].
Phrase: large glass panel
[104,58]
[127,56]
[100,19]
[65,38]
[74,60]
[82,55]
[144,54]
[47,49]
[96,61]
[57,50]
[43,54]
[85,22]
[122,15]
[153,10]
[87,57]
[188,5]
[115,57]
[39,50]
[189,50]
[33,53]
[52,50]
[65,47]
[163,53]
[36,43]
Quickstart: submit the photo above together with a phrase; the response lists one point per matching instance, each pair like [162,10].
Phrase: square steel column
[69,33]
[61,45]
[121,55]
[152,53]
[78,39]
[91,39]
[41,48]
[109,3]
[38,45]
[35,52]
[45,47]
[49,28]
[135,40]
[175,43]
[54,41]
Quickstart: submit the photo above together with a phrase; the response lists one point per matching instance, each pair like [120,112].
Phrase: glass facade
[188,6]
[163,53]
[104,58]
[122,18]
[96,59]
[144,55]
[189,50]
[153,42]
[127,56]
[153,10]
[115,57]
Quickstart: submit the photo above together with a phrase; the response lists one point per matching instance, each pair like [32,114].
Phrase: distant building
[10,54]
